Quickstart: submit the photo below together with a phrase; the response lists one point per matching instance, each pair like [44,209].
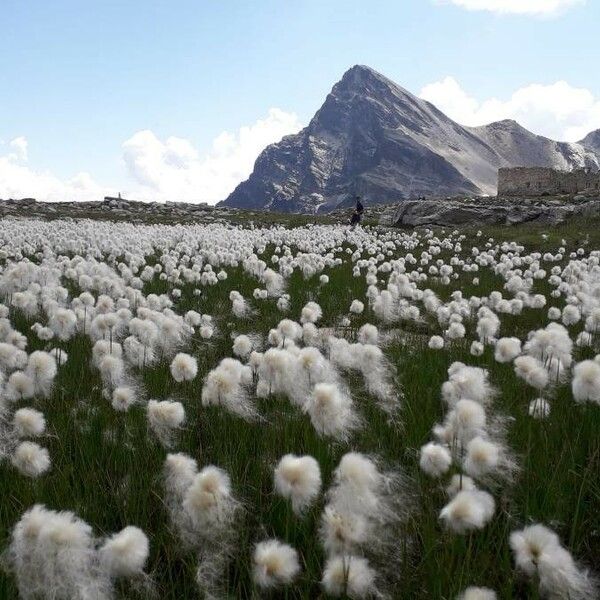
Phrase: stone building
[544,181]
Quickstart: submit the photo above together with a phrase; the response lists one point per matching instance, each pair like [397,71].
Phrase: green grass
[107,467]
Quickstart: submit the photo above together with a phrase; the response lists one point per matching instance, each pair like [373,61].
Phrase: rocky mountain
[375,139]
[591,142]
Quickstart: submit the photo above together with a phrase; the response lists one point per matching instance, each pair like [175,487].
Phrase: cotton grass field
[298,412]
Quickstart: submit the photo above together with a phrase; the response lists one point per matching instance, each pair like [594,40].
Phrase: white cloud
[174,169]
[19,180]
[19,145]
[539,8]
[558,111]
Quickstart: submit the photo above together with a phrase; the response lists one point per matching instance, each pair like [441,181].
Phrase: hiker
[358,212]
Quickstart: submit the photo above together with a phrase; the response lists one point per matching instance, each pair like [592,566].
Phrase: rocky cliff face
[375,139]
[591,142]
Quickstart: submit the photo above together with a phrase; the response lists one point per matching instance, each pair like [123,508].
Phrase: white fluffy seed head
[242,346]
[41,366]
[529,544]
[358,472]
[368,334]
[166,413]
[274,564]
[29,422]
[349,575]
[184,367]
[357,307]
[179,471]
[208,499]
[330,411]
[507,349]
[299,479]
[477,593]
[342,531]
[458,483]
[467,419]
[468,510]
[435,459]
[125,553]
[436,342]
[482,457]
[123,398]
[164,417]
[20,386]
[31,459]
[586,382]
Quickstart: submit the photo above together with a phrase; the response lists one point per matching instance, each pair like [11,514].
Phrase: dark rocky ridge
[456,212]
[373,138]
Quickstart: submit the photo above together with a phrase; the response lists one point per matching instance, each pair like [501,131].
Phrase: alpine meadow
[300,411]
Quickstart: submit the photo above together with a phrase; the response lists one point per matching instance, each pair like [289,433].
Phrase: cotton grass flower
[357,484]
[274,564]
[368,334]
[357,307]
[482,457]
[458,483]
[476,348]
[349,576]
[30,459]
[343,531]
[538,552]
[465,421]
[467,382]
[184,367]
[19,386]
[532,371]
[586,382]
[208,501]
[311,313]
[53,552]
[41,368]
[164,417]
[242,346]
[298,478]
[435,460]
[125,553]
[55,555]
[331,411]
[468,510]
[179,471]
[123,398]
[226,386]
[506,349]
[436,342]
[477,593]
[28,422]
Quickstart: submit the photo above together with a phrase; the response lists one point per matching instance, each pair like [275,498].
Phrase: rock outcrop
[457,212]
[113,209]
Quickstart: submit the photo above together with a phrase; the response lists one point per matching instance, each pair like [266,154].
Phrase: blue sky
[81,79]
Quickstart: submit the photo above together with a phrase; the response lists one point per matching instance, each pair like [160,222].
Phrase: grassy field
[106,465]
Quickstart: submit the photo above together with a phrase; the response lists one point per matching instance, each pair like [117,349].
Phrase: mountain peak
[592,140]
[363,71]
[373,138]
[505,125]
[361,77]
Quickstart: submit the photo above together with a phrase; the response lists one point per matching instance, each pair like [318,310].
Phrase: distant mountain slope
[373,138]
[591,142]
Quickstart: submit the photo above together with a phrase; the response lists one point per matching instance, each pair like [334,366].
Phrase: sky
[175,99]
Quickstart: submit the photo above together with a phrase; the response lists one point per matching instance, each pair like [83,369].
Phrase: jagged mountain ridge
[373,138]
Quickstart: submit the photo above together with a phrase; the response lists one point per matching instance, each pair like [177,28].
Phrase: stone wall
[542,181]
